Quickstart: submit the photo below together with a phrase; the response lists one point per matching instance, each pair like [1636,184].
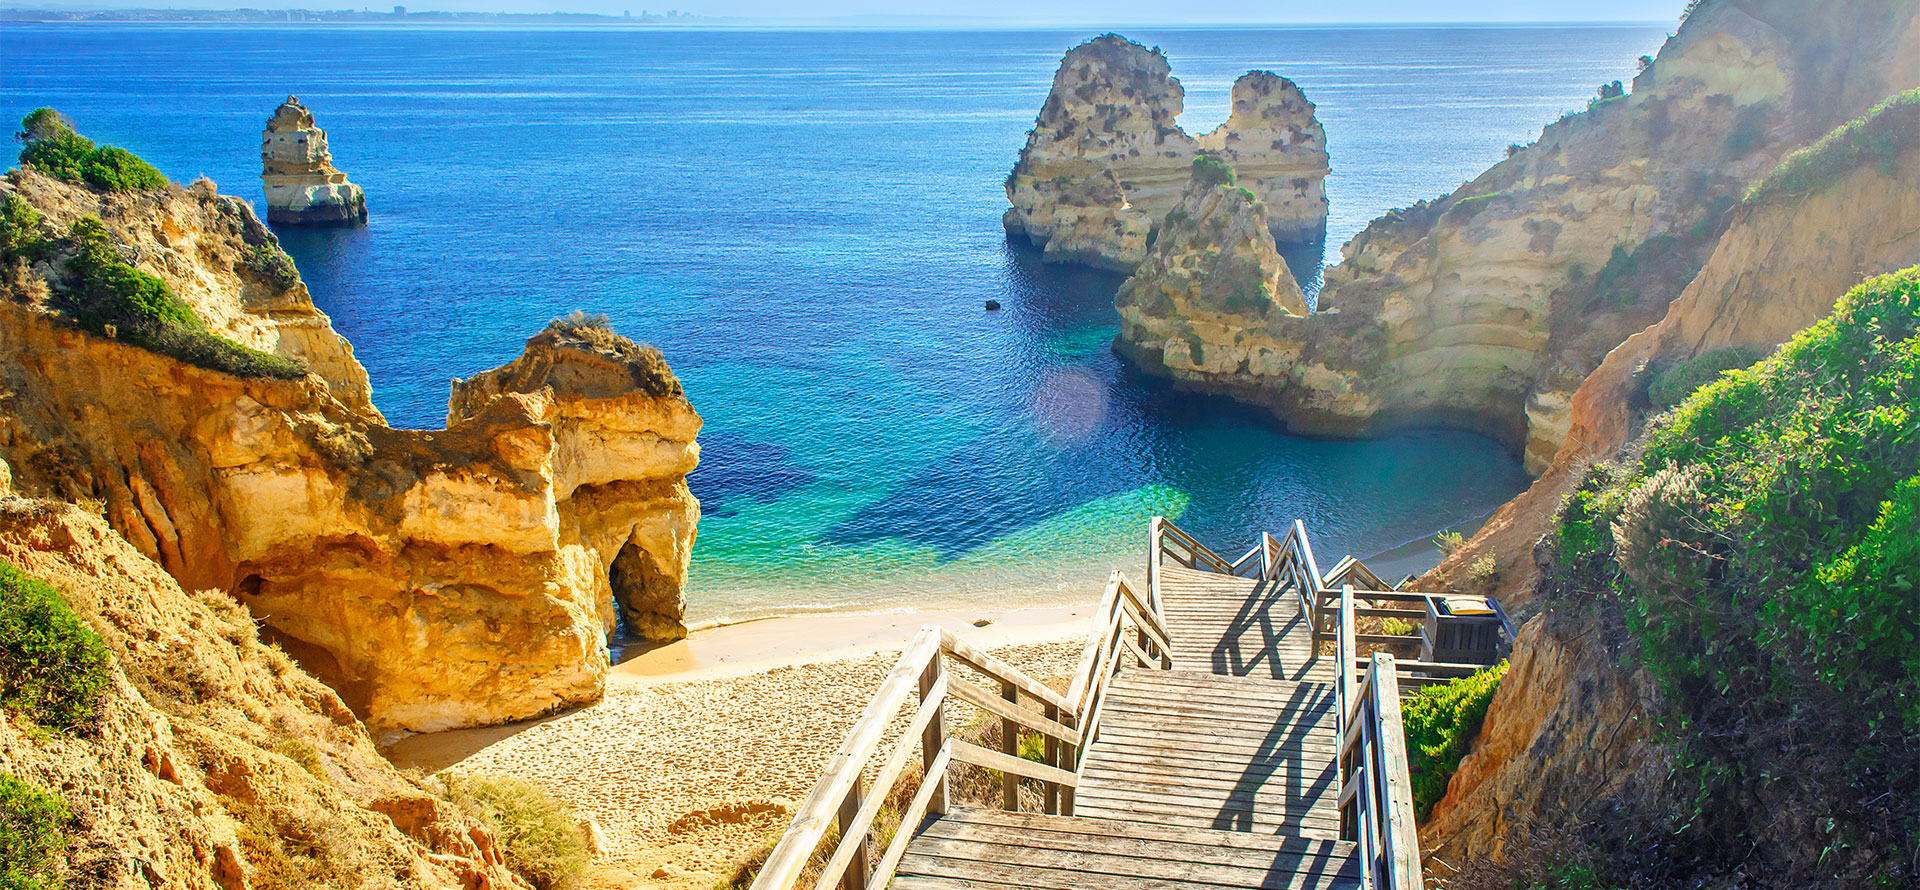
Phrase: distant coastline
[395,15]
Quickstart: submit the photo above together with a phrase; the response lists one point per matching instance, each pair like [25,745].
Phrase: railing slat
[972,657]
[856,855]
[1402,847]
[1000,707]
[909,821]
[966,752]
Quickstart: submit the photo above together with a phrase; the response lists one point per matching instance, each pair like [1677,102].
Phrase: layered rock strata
[1485,309]
[1105,160]
[303,188]
[436,579]
[213,761]
[1204,303]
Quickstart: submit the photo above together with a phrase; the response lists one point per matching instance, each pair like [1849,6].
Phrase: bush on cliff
[1677,382]
[1879,137]
[1761,552]
[20,230]
[1211,171]
[33,835]
[52,146]
[53,668]
[1441,721]
[539,834]
[106,295]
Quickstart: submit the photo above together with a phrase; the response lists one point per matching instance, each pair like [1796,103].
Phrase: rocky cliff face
[303,188]
[215,254]
[1780,267]
[1199,307]
[1486,308]
[215,761]
[436,579]
[1106,161]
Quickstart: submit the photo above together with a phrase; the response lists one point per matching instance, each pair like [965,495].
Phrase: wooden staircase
[1203,745]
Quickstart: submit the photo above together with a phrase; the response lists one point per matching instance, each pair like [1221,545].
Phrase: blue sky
[1082,12]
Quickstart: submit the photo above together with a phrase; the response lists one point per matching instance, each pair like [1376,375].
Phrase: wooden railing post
[1009,744]
[1052,807]
[933,737]
[1400,843]
[1069,761]
[856,874]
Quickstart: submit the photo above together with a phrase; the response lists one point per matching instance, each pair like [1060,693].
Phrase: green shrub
[53,668]
[539,834]
[1679,381]
[1212,171]
[1397,628]
[33,835]
[1880,136]
[105,294]
[1440,723]
[1449,541]
[1761,553]
[20,230]
[272,265]
[53,147]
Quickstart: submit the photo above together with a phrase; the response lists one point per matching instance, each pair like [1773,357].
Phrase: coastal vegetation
[52,146]
[645,363]
[1209,170]
[539,834]
[1758,552]
[1441,721]
[1879,137]
[53,668]
[33,835]
[1674,383]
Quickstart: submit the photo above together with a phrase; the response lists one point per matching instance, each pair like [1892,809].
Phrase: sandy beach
[699,750]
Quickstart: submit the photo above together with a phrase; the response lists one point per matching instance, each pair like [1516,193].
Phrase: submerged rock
[1105,160]
[303,188]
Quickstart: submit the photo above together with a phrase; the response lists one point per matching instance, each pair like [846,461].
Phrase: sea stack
[1106,160]
[303,188]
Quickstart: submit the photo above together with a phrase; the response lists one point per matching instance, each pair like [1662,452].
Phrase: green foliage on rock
[1761,552]
[1440,723]
[33,835]
[1209,170]
[1675,383]
[20,230]
[53,668]
[1879,137]
[272,265]
[105,294]
[52,146]
[541,837]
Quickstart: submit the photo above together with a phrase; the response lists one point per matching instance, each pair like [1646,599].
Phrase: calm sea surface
[807,223]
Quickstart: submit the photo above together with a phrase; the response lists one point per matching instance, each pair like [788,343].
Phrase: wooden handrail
[1130,630]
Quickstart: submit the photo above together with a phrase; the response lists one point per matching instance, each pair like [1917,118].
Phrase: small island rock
[303,188]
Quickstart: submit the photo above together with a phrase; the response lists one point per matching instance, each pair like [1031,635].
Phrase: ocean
[807,223]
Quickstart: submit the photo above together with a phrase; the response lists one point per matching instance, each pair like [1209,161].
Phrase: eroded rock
[303,188]
[1105,160]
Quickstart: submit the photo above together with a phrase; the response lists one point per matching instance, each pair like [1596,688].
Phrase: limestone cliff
[1486,308]
[1105,160]
[303,188]
[436,579]
[214,761]
[1780,267]
[1199,307]
[213,252]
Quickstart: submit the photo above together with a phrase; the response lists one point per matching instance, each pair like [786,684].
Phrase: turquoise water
[807,223]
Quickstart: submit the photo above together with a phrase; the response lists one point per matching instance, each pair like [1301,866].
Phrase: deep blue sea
[808,224]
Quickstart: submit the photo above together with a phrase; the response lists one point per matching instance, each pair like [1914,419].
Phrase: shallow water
[807,223]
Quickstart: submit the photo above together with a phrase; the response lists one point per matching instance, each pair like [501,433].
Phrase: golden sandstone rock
[436,579]
[302,186]
[1105,160]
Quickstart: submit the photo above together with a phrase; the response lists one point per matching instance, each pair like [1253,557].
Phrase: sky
[1052,11]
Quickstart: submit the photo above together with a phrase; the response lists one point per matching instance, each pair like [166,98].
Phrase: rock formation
[436,579]
[1780,267]
[1105,161]
[303,188]
[1201,305]
[1485,309]
[213,761]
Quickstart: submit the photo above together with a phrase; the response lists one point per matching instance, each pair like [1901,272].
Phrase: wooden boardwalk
[1201,746]
[1217,773]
